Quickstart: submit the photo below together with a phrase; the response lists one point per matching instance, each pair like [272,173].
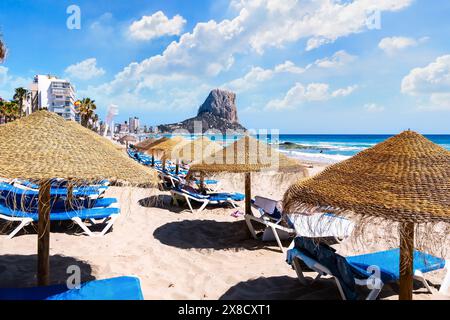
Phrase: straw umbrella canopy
[151,145]
[44,146]
[195,150]
[405,179]
[128,138]
[165,147]
[143,145]
[246,155]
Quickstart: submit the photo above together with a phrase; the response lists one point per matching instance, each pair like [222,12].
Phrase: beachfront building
[124,128]
[134,125]
[57,95]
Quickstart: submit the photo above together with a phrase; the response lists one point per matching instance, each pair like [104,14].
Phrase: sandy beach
[180,255]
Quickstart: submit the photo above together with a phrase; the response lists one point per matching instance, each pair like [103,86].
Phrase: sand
[177,254]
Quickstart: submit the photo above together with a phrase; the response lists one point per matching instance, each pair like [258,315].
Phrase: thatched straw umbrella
[165,147]
[144,145]
[44,146]
[195,150]
[405,179]
[152,144]
[246,155]
[126,139]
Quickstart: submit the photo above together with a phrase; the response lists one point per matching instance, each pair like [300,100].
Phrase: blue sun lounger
[210,198]
[6,188]
[104,211]
[372,270]
[120,288]
[27,199]
[62,184]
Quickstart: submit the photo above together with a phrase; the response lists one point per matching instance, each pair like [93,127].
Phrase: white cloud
[9,82]
[431,82]
[343,92]
[289,67]
[211,47]
[155,26]
[338,59]
[373,107]
[300,94]
[257,75]
[85,70]
[392,45]
[320,21]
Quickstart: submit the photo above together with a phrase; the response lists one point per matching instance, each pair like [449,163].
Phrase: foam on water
[315,157]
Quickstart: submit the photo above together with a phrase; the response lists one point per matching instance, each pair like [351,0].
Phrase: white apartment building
[134,124]
[57,95]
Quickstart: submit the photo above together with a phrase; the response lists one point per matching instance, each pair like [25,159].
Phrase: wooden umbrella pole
[164,165]
[248,193]
[153,160]
[202,181]
[177,167]
[406,260]
[44,233]
[69,200]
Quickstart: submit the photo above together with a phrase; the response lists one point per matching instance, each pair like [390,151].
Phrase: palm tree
[94,122]
[20,96]
[87,110]
[2,51]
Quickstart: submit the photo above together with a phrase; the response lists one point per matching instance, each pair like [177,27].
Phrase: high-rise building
[134,124]
[57,95]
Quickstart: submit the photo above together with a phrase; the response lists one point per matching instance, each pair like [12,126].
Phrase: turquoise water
[329,148]
[334,148]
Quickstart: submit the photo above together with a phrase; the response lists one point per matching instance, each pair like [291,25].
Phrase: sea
[332,148]
[325,148]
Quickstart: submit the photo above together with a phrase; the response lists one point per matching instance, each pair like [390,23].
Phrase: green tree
[87,111]
[92,125]
[9,110]
[2,108]
[19,96]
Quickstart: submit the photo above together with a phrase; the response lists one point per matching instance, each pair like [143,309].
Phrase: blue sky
[298,66]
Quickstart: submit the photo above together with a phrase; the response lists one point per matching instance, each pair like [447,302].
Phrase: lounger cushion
[223,196]
[388,262]
[207,181]
[226,196]
[121,288]
[102,202]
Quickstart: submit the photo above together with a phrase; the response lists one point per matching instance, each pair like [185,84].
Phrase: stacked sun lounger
[19,203]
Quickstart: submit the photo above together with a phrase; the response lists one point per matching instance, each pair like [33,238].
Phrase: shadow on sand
[164,201]
[161,201]
[208,234]
[19,271]
[289,288]
[67,227]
